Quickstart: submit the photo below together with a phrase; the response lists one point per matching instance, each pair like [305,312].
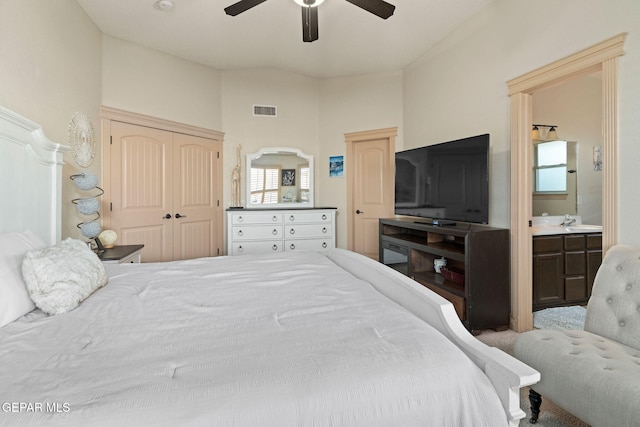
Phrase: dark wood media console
[480,253]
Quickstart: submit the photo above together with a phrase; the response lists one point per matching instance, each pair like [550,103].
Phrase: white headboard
[30,178]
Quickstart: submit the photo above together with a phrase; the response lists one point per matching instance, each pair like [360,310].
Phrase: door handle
[180,216]
[359,211]
[167,216]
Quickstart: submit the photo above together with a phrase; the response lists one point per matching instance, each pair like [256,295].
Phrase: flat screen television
[445,182]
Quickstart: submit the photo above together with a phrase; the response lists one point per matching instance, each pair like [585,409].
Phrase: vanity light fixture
[552,134]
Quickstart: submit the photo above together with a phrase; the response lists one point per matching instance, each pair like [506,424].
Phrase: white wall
[459,88]
[50,68]
[296,123]
[353,104]
[143,80]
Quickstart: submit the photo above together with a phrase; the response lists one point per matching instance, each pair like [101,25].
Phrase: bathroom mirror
[279,177]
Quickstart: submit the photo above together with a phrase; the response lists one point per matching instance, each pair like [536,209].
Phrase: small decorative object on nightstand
[108,238]
[123,254]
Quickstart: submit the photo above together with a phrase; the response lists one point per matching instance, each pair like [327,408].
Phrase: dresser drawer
[253,232]
[256,218]
[317,245]
[303,231]
[250,248]
[302,217]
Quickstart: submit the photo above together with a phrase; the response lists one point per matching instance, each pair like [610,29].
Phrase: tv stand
[477,255]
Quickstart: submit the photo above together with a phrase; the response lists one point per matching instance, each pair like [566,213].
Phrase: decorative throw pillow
[14,298]
[60,277]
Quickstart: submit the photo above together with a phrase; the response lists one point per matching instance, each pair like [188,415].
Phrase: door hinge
[110,139]
[217,202]
[110,206]
[218,154]
[218,250]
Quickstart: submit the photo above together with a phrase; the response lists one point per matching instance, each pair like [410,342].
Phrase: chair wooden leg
[535,400]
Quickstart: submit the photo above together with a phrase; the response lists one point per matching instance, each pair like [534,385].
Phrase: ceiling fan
[310,12]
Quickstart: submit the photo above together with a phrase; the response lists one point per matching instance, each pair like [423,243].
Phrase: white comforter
[275,340]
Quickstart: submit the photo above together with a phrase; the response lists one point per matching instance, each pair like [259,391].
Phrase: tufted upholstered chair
[594,373]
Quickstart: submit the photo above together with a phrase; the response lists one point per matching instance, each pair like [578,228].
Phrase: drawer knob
[274,232]
[274,218]
[292,246]
[240,219]
[292,218]
[274,247]
[240,248]
[240,232]
[324,229]
[292,231]
[324,216]
[324,244]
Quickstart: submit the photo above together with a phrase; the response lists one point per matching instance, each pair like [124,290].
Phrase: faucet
[568,220]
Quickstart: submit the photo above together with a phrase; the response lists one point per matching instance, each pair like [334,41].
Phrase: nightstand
[123,254]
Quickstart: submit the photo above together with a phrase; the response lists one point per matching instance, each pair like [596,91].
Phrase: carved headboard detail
[30,178]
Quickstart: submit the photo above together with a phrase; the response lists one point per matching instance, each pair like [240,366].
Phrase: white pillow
[61,276]
[14,298]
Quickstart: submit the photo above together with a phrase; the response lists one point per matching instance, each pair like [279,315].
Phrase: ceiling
[351,40]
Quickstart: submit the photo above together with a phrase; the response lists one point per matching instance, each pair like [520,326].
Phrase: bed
[301,339]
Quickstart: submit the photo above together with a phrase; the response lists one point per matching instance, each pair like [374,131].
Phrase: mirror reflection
[279,176]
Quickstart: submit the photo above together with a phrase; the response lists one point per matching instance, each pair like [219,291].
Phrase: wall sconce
[87,181]
[552,134]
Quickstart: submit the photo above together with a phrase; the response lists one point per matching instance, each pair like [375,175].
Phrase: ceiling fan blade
[242,6]
[309,23]
[377,7]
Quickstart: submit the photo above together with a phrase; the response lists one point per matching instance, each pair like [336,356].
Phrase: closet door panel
[141,189]
[196,170]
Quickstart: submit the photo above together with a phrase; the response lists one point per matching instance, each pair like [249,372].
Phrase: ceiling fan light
[309,3]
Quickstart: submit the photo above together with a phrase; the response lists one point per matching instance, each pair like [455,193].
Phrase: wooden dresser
[252,231]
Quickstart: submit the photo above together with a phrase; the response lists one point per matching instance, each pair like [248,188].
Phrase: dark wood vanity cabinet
[564,268]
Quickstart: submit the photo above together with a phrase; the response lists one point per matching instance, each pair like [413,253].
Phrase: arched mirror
[279,177]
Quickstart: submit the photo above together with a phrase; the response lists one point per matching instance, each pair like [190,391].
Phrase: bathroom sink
[547,229]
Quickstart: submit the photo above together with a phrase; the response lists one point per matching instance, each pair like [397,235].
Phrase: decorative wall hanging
[82,139]
[336,166]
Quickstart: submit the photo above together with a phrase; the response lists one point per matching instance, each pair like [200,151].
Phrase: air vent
[265,110]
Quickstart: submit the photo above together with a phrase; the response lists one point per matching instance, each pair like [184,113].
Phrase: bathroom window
[550,167]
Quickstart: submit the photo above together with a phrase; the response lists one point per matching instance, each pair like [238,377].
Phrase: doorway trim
[603,57]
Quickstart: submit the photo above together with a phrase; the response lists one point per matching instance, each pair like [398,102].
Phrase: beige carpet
[550,414]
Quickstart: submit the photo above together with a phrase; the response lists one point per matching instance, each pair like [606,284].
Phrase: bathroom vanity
[565,261]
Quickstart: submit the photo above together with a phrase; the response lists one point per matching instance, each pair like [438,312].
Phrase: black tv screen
[447,181]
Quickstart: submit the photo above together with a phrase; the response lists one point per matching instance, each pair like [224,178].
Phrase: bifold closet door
[195,172]
[142,189]
[164,189]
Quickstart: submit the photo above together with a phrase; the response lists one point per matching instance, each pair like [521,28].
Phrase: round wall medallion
[82,139]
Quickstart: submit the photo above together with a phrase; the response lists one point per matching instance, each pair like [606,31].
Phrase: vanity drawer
[303,231]
[301,217]
[256,218]
[263,232]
